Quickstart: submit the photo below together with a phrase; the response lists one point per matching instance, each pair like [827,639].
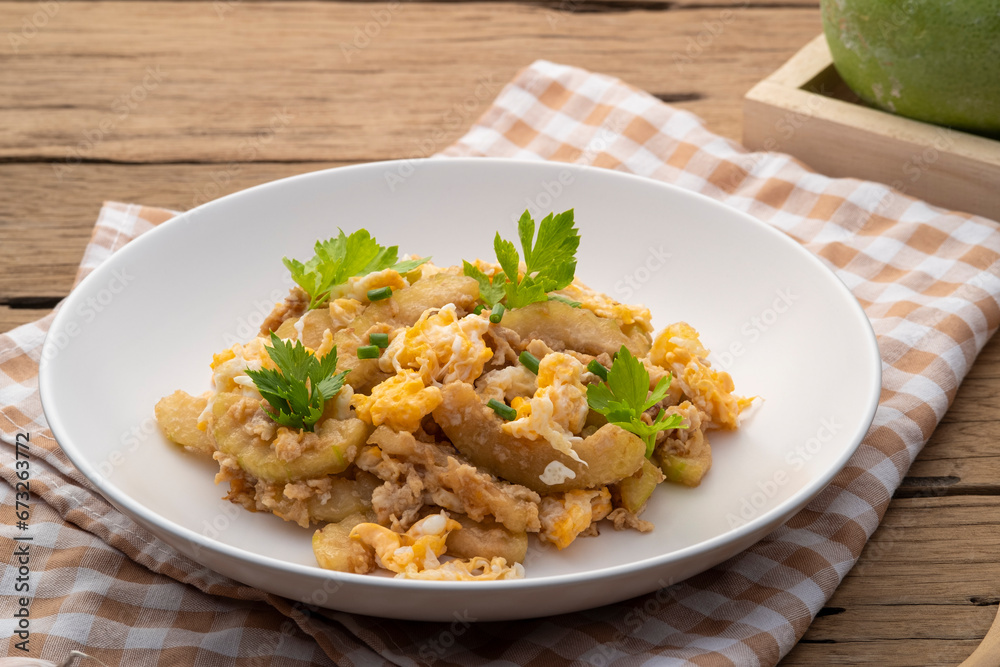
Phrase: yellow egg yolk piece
[558,410]
[442,347]
[678,349]
[400,402]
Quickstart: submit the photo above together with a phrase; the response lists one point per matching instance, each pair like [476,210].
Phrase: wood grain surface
[174,103]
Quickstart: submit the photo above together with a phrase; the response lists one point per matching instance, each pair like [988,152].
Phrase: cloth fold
[928,279]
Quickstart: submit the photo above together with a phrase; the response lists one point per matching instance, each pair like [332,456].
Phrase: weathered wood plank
[909,653]
[11,317]
[44,235]
[924,592]
[177,81]
[571,6]
[962,456]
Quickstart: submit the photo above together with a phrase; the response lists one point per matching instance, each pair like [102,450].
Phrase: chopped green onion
[368,352]
[530,361]
[598,369]
[379,339]
[502,409]
[478,309]
[379,293]
[568,302]
[497,313]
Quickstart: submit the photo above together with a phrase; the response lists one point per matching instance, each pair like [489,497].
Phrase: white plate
[148,320]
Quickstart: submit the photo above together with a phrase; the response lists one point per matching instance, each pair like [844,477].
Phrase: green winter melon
[932,60]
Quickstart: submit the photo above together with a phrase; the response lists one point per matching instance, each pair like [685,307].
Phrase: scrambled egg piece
[441,346]
[344,311]
[679,350]
[490,268]
[507,383]
[229,365]
[566,515]
[325,347]
[357,286]
[415,553]
[474,569]
[604,306]
[399,402]
[559,407]
[415,550]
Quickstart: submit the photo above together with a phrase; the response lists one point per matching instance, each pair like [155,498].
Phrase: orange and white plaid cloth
[927,278]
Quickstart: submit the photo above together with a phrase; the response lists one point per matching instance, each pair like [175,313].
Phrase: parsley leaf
[490,291]
[342,257]
[549,259]
[626,396]
[524,292]
[552,259]
[300,386]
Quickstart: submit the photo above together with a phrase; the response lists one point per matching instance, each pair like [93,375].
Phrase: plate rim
[776,515]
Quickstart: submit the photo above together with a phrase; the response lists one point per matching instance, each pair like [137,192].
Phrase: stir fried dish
[427,420]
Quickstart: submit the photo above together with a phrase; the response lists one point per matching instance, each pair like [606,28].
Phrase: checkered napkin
[927,278]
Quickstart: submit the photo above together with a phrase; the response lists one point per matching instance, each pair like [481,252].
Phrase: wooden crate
[805,109]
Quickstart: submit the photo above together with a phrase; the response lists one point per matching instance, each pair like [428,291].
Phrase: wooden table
[174,103]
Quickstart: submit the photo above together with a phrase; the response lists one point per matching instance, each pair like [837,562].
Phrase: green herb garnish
[490,292]
[626,396]
[529,361]
[368,352]
[496,314]
[343,257]
[301,384]
[550,262]
[502,409]
[568,302]
[598,369]
[379,339]
[379,293]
